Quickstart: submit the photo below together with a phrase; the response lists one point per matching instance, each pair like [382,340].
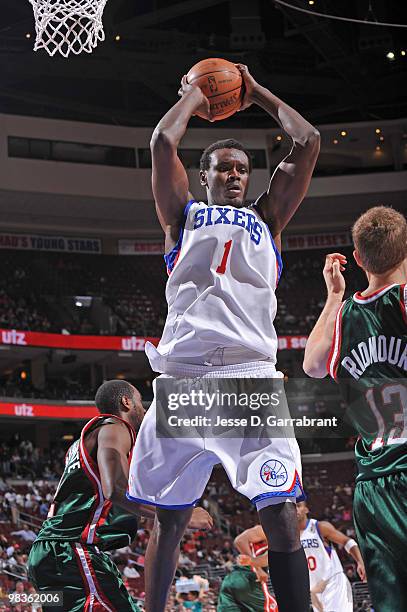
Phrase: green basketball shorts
[380,515]
[241,592]
[87,577]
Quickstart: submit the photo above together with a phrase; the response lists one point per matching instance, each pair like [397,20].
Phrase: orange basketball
[221,82]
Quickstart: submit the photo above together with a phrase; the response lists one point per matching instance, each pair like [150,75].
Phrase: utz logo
[23,410]
[273,473]
[133,344]
[213,86]
[13,336]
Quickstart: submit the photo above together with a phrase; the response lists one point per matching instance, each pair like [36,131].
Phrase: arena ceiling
[332,71]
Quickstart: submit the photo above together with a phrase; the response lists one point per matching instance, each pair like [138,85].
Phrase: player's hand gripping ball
[222,84]
[203,110]
[249,86]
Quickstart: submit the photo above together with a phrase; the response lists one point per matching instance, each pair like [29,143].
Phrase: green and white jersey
[369,361]
[79,511]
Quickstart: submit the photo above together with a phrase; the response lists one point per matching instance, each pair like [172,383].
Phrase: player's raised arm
[320,339]
[169,178]
[331,534]
[290,181]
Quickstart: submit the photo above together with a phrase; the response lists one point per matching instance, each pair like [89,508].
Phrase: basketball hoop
[68,26]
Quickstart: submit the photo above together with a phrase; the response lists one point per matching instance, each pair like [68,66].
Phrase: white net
[68,26]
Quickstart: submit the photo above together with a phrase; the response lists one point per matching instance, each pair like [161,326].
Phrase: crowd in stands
[21,313]
[77,386]
[138,316]
[131,290]
[37,292]
[22,459]
[60,389]
[301,291]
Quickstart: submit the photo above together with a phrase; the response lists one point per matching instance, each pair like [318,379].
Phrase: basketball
[221,82]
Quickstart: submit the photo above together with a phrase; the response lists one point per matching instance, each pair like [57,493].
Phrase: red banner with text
[74,342]
[49,411]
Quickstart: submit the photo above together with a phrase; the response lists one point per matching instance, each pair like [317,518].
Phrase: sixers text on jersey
[210,215]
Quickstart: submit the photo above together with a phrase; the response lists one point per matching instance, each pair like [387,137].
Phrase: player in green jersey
[245,588]
[362,344]
[91,514]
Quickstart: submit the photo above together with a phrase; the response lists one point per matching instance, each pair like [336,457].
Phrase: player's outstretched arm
[328,531]
[169,178]
[290,181]
[319,341]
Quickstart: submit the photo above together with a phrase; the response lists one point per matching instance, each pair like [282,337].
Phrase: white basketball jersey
[323,561]
[223,273]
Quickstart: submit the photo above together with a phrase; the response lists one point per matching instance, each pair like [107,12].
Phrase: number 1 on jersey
[221,269]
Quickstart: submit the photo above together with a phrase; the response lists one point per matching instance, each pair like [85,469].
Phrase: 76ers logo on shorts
[273,473]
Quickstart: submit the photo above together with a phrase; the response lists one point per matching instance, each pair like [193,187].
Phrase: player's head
[225,168]
[302,512]
[119,397]
[380,240]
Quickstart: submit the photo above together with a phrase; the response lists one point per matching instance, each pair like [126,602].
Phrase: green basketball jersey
[79,511]
[369,361]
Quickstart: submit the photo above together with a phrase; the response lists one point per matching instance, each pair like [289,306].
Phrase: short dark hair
[109,395]
[380,238]
[230,143]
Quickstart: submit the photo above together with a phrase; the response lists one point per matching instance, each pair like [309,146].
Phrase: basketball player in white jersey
[330,589]
[224,263]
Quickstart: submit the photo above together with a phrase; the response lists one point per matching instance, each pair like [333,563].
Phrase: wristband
[350,544]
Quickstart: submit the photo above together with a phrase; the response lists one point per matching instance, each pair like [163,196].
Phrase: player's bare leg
[162,555]
[287,562]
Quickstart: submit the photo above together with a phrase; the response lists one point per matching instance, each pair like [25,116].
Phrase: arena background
[82,275]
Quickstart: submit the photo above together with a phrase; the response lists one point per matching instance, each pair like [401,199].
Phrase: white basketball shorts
[173,472]
[337,596]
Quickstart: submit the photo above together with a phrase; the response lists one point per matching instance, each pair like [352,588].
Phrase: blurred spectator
[352,575]
[130,571]
[44,507]
[19,589]
[26,534]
